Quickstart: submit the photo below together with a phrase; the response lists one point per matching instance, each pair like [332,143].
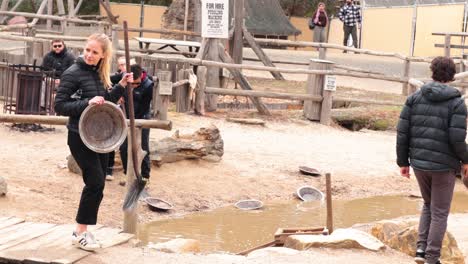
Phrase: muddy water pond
[232,230]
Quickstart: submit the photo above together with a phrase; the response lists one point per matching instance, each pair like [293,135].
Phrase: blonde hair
[105,65]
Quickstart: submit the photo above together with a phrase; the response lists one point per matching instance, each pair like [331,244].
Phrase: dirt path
[259,162]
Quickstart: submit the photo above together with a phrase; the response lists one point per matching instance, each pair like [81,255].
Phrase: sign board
[329,83]
[215,19]
[192,80]
[165,88]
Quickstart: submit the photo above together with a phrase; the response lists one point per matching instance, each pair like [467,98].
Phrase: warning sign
[215,18]
[330,83]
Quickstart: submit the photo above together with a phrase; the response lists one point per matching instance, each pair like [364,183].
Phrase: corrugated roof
[266,17]
[391,3]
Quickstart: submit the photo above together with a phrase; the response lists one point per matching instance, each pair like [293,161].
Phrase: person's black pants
[111,163]
[350,30]
[146,164]
[93,166]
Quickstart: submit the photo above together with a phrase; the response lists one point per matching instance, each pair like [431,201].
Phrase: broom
[137,186]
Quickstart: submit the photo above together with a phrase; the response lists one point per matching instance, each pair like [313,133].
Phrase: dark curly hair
[443,69]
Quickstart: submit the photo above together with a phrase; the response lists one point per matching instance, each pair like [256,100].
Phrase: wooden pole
[182,92]
[161,101]
[50,9]
[77,8]
[61,12]
[115,47]
[237,92]
[130,223]
[238,38]
[197,18]
[39,12]
[187,3]
[329,203]
[242,81]
[260,53]
[200,92]
[4,7]
[315,83]
[212,77]
[160,30]
[56,18]
[322,53]
[406,71]
[326,108]
[447,45]
[142,20]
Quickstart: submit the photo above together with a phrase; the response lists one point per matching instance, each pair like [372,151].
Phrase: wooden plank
[457,34]
[452,46]
[24,234]
[260,53]
[9,221]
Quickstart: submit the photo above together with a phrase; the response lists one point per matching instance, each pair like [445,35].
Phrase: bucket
[103,128]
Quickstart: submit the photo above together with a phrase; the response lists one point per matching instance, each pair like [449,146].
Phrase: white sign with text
[215,19]
[165,88]
[329,83]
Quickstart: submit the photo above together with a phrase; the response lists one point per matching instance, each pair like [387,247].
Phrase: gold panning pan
[103,127]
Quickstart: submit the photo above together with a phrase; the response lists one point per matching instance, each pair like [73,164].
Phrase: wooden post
[260,53]
[237,42]
[242,81]
[187,3]
[197,18]
[182,93]
[329,203]
[61,12]
[161,101]
[447,45]
[115,47]
[50,9]
[40,11]
[315,82]
[322,53]
[406,70]
[200,92]
[4,7]
[130,223]
[212,77]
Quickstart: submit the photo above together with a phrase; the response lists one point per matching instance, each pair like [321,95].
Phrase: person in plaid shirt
[350,15]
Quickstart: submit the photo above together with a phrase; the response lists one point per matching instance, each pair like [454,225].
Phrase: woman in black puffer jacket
[85,83]
[431,138]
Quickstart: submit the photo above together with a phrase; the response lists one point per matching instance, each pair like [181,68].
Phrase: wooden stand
[315,86]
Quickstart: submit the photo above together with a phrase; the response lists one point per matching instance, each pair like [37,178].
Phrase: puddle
[232,230]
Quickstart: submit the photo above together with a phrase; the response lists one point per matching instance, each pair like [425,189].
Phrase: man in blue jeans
[431,138]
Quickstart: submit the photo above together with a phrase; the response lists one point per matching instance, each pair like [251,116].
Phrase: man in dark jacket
[58,59]
[142,95]
[431,138]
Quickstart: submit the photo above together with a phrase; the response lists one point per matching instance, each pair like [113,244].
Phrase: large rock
[178,245]
[403,235]
[3,186]
[72,165]
[340,238]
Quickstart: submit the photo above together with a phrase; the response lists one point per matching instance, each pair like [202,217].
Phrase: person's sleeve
[457,131]
[359,15]
[46,63]
[341,14]
[402,145]
[64,104]
[148,97]
[115,94]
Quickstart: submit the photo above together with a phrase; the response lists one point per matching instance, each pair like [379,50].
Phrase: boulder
[72,165]
[3,186]
[403,235]
[178,245]
[340,238]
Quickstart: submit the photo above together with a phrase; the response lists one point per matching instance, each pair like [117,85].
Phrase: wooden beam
[61,12]
[329,203]
[50,9]
[56,18]
[77,8]
[451,46]
[242,81]
[261,55]
[187,3]
[107,8]
[237,43]
[287,96]
[197,17]
[39,11]
[200,91]
[61,120]
[159,30]
[4,7]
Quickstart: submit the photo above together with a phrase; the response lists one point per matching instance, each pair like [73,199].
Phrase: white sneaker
[109,177]
[85,241]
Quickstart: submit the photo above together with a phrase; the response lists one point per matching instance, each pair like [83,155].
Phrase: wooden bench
[192,45]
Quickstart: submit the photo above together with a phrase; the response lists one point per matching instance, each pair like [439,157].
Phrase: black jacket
[432,129]
[78,85]
[142,96]
[58,62]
